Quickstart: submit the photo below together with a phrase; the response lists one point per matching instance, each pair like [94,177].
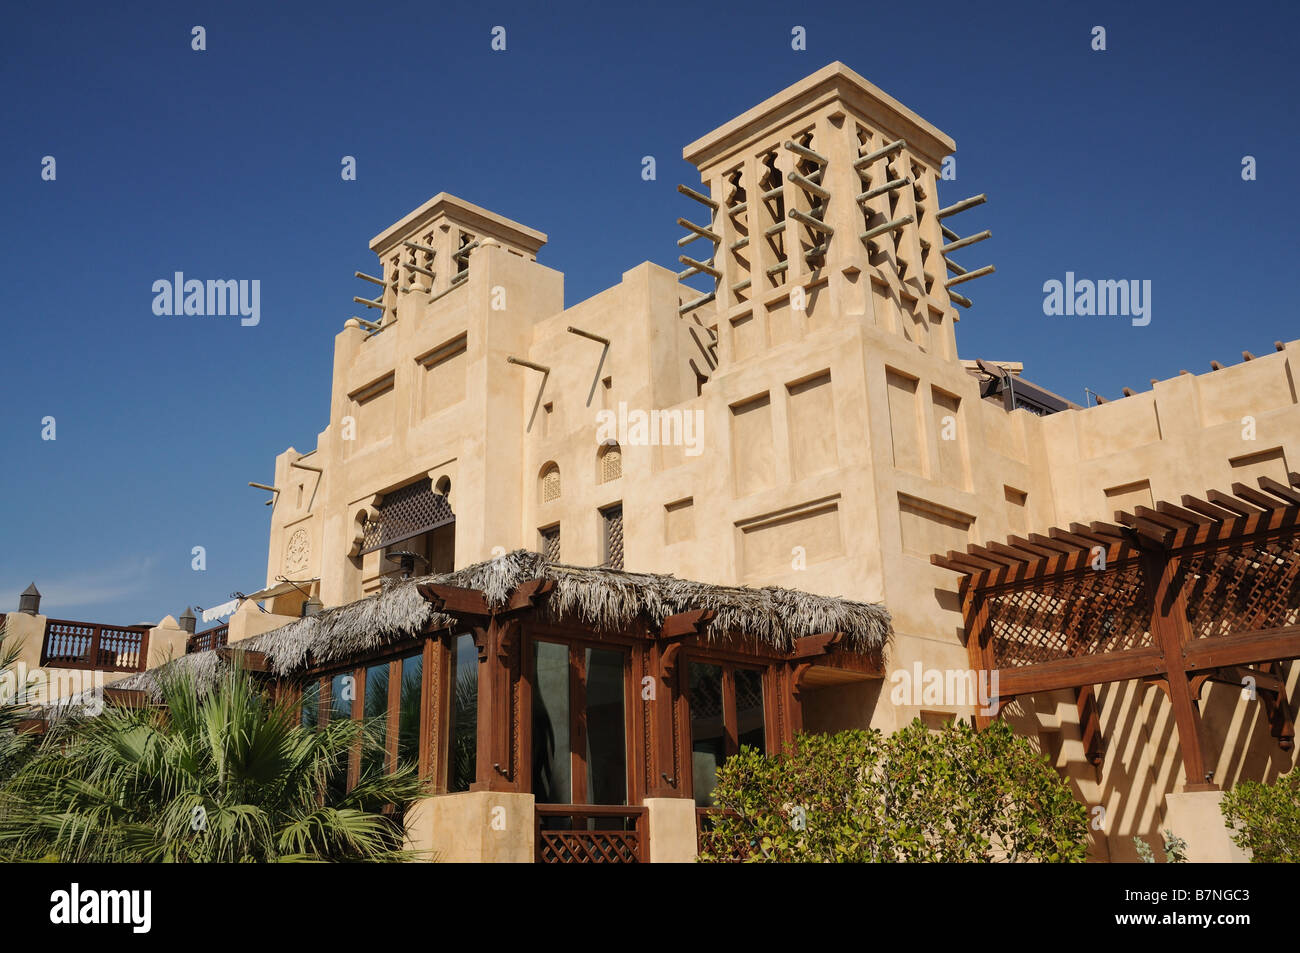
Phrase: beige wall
[841,445]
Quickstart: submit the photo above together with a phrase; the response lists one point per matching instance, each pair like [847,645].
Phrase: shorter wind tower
[830,183]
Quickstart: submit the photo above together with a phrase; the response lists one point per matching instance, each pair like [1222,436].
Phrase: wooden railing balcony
[90,645]
[213,638]
[591,834]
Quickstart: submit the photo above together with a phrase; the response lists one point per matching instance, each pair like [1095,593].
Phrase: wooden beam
[1074,672]
[813,645]
[1094,745]
[529,594]
[455,600]
[1266,645]
[686,624]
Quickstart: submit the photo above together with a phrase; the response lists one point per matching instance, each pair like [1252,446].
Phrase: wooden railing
[213,638]
[90,645]
[590,834]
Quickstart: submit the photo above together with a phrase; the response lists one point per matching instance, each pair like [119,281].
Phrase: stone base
[473,827]
[1195,817]
[671,825]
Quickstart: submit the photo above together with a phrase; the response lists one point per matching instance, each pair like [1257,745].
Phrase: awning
[283,588]
[221,611]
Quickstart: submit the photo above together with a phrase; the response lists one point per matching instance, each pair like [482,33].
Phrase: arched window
[611,462]
[550,483]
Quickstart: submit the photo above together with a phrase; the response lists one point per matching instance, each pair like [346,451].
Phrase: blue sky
[225,164]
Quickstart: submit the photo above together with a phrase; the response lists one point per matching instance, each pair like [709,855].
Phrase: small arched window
[611,462]
[550,483]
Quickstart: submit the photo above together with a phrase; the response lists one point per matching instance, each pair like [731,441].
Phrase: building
[806,424]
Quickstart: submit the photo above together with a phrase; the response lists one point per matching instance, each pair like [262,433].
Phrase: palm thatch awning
[605,600]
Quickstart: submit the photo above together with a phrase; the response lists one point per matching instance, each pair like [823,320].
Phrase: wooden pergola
[1176,596]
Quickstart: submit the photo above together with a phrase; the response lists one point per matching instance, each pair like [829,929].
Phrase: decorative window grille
[406,512]
[613,526]
[551,542]
[611,462]
[551,484]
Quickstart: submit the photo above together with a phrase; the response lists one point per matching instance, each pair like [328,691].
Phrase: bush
[916,795]
[1265,819]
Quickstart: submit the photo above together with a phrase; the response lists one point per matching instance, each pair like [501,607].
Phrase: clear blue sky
[225,163]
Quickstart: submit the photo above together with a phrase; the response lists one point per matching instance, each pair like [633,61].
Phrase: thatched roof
[203,669]
[605,599]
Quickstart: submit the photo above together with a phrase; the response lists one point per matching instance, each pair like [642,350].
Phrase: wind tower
[829,187]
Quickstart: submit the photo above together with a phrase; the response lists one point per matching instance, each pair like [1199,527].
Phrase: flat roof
[832,78]
[465,213]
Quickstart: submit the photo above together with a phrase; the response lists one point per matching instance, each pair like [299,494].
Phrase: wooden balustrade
[213,638]
[90,645]
[591,834]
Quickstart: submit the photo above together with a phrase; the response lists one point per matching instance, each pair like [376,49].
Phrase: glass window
[375,704]
[719,693]
[343,689]
[310,704]
[749,708]
[708,733]
[606,728]
[464,714]
[552,768]
[408,717]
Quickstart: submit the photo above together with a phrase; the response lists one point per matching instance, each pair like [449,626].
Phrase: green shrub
[916,795]
[1265,818]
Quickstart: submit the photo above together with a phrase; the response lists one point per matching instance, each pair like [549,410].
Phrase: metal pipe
[970,276]
[708,269]
[700,230]
[963,242]
[692,194]
[691,305]
[962,205]
[882,189]
[368,303]
[813,223]
[806,152]
[808,185]
[418,247]
[887,227]
[372,279]
[879,153]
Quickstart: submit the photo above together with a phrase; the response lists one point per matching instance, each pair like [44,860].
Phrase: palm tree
[216,776]
[13,744]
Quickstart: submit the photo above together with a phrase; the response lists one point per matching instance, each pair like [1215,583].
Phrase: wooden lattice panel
[1246,589]
[1087,613]
[589,847]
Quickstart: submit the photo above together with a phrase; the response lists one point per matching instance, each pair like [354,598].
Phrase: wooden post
[979,648]
[1170,631]
[493,770]
[659,745]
